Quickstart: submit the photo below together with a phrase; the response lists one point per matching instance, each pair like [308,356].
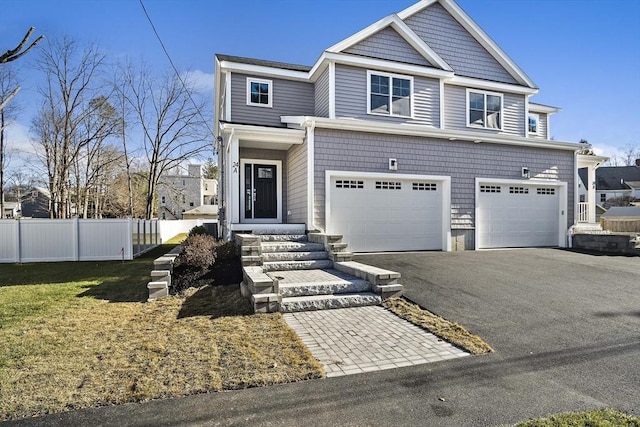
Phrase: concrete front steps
[296,272]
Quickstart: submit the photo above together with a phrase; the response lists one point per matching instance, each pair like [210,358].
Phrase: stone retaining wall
[606,243]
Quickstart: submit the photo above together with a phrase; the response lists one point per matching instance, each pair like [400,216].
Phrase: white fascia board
[403,30]
[470,82]
[539,108]
[428,132]
[486,41]
[361,35]
[264,134]
[261,70]
[586,160]
[384,65]
[413,9]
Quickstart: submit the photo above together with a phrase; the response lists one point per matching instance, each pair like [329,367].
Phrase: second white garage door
[514,215]
[386,214]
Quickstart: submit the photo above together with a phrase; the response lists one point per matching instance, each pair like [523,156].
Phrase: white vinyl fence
[171,228]
[45,240]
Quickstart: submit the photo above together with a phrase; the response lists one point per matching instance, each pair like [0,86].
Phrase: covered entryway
[261,190]
[511,214]
[389,212]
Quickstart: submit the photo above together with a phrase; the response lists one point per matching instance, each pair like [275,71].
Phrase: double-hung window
[534,118]
[389,94]
[484,109]
[259,92]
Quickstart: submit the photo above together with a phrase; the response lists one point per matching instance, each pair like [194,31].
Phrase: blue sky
[583,54]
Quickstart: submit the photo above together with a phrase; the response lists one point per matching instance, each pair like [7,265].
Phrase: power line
[175,69]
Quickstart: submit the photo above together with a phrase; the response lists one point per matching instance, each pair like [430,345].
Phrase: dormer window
[259,92]
[389,94]
[484,109]
[534,118]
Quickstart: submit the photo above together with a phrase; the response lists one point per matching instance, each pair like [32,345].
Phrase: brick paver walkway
[364,339]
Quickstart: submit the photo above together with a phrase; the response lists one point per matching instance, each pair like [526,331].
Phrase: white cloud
[202,82]
[18,139]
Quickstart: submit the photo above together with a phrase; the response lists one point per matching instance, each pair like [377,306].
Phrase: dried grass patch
[90,351]
[452,332]
[598,417]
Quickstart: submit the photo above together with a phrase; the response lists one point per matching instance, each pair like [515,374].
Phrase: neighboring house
[36,203]
[622,219]
[616,181]
[416,133]
[11,210]
[178,194]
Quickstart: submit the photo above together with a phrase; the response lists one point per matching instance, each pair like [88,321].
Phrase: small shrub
[198,251]
[225,251]
[198,230]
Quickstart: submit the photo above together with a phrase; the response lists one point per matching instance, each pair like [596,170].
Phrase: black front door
[260,191]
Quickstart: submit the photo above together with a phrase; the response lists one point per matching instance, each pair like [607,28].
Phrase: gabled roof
[478,33]
[616,177]
[403,30]
[534,107]
[583,173]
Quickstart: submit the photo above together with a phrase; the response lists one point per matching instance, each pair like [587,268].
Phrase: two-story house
[416,133]
[179,194]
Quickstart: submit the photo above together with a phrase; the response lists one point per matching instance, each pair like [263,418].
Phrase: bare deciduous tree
[12,55]
[8,81]
[170,120]
[72,83]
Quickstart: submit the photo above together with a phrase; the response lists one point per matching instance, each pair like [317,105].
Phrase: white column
[591,195]
[233,173]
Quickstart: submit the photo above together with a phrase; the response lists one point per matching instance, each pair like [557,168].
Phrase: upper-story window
[259,92]
[484,109]
[534,118]
[389,94]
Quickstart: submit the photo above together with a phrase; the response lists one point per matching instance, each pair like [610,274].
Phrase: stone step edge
[324,288]
[375,275]
[297,265]
[320,302]
[295,256]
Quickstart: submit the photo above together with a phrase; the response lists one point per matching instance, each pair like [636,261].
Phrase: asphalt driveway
[565,326]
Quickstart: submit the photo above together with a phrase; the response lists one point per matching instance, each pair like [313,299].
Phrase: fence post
[76,239]
[18,257]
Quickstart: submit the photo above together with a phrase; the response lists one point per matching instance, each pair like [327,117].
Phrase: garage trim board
[389,211]
[520,213]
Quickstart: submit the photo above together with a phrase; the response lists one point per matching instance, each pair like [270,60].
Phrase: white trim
[485,93]
[262,70]
[264,133]
[385,65]
[391,77]
[547,109]
[526,114]
[428,132]
[269,84]
[278,164]
[537,116]
[489,85]
[442,123]
[310,176]
[478,33]
[562,195]
[332,90]
[446,195]
[403,30]
[227,94]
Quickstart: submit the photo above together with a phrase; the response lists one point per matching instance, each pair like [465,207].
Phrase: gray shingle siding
[463,161]
[297,183]
[455,111]
[290,98]
[322,94]
[388,44]
[351,98]
[258,154]
[455,45]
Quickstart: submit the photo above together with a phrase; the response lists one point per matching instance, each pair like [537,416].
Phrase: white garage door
[517,215]
[382,214]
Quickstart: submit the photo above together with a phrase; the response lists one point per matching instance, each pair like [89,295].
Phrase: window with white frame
[484,109]
[389,94]
[534,118]
[259,92]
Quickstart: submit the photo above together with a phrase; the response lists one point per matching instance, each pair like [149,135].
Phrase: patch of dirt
[227,272]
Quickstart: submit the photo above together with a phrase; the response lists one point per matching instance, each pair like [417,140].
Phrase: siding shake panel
[388,44]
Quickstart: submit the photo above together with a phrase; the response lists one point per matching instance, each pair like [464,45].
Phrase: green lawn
[78,334]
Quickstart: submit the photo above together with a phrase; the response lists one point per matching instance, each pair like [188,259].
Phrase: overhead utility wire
[175,69]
